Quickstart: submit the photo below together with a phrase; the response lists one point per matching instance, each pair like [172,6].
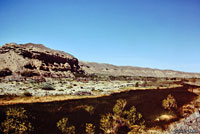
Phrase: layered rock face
[36,60]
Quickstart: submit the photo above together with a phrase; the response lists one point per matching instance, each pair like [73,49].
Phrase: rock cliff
[36,60]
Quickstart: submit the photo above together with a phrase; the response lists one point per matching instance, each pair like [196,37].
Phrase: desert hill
[36,60]
[109,69]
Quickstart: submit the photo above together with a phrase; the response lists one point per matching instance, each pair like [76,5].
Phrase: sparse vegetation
[169,103]
[16,122]
[64,126]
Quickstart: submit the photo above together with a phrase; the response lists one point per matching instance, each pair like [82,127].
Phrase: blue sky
[161,34]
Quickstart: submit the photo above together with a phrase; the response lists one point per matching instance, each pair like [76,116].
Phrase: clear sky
[162,34]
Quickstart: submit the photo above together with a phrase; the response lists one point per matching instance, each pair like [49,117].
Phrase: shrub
[64,127]
[47,86]
[28,94]
[16,122]
[137,84]
[119,107]
[169,103]
[106,123]
[89,128]
[111,122]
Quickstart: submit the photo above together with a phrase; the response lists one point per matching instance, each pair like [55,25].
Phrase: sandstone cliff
[36,60]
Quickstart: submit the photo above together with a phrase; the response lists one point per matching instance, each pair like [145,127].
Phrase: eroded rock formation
[37,60]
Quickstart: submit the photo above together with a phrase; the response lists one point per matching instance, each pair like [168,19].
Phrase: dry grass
[23,100]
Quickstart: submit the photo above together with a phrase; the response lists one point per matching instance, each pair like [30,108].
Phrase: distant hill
[109,69]
[36,60]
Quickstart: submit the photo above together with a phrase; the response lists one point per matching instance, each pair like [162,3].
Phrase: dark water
[44,116]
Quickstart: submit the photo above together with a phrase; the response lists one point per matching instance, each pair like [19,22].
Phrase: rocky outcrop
[37,60]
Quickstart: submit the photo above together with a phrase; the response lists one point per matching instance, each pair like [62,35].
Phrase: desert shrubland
[16,122]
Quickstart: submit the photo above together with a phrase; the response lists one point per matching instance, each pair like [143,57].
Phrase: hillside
[36,60]
[109,69]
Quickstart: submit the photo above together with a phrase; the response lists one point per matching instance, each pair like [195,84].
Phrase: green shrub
[169,103]
[16,122]
[64,127]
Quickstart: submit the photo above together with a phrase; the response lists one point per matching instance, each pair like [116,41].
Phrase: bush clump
[47,86]
[27,94]
[112,122]
[16,122]
[64,126]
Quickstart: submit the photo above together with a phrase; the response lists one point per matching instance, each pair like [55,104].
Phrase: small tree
[16,122]
[169,103]
[64,127]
